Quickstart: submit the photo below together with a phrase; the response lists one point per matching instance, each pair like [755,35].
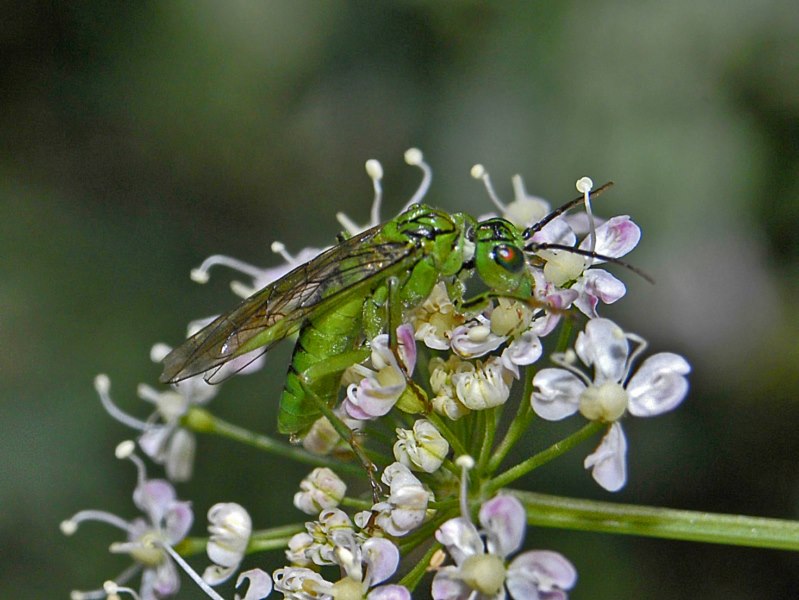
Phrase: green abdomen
[321,338]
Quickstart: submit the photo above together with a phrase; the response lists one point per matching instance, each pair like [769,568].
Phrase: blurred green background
[140,138]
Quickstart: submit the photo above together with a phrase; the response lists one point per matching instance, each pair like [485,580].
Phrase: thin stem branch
[668,523]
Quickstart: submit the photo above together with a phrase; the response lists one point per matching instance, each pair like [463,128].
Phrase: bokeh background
[139,138]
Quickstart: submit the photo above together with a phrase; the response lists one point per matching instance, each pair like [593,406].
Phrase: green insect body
[330,334]
[336,297]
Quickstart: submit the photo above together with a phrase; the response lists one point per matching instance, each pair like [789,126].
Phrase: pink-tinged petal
[381,557]
[407,347]
[659,385]
[609,460]
[260,584]
[557,395]
[153,442]
[460,538]
[153,497]
[177,521]
[475,339]
[504,521]
[524,350]
[594,286]
[615,237]
[447,585]
[389,592]
[369,399]
[167,579]
[602,345]
[540,574]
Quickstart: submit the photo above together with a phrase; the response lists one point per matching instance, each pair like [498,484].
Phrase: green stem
[544,457]
[274,538]
[650,521]
[414,576]
[447,433]
[202,421]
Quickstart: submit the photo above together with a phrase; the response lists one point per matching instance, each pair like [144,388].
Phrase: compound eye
[508,257]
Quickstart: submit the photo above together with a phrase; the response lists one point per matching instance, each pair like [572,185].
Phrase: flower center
[562,267]
[147,550]
[605,402]
[348,589]
[484,573]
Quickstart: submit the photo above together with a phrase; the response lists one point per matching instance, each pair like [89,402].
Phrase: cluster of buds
[443,379]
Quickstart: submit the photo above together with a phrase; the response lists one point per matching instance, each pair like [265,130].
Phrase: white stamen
[479,172]
[200,274]
[466,463]
[635,353]
[145,392]
[280,248]
[414,157]
[159,351]
[567,360]
[113,590]
[70,526]
[242,289]
[519,191]
[584,186]
[124,449]
[375,171]
[102,385]
[191,573]
[348,224]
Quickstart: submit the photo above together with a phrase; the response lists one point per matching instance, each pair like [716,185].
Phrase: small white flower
[166,522]
[321,489]
[363,565]
[436,318]
[482,385]
[445,401]
[406,506]
[423,448]
[384,383]
[480,570]
[316,545]
[658,386]
[230,527]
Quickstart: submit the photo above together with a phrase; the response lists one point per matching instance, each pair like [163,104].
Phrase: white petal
[389,592]
[538,572]
[447,585]
[603,346]
[659,385]
[558,394]
[460,538]
[381,557]
[260,584]
[609,460]
[504,520]
[594,286]
[615,237]
[180,455]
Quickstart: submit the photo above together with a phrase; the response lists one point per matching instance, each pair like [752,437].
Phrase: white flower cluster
[420,392]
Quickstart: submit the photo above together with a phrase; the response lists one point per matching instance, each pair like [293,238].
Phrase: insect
[353,287]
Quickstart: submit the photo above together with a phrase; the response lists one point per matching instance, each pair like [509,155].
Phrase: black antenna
[535,228]
[535,247]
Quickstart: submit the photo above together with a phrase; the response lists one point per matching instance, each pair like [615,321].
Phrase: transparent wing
[279,309]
